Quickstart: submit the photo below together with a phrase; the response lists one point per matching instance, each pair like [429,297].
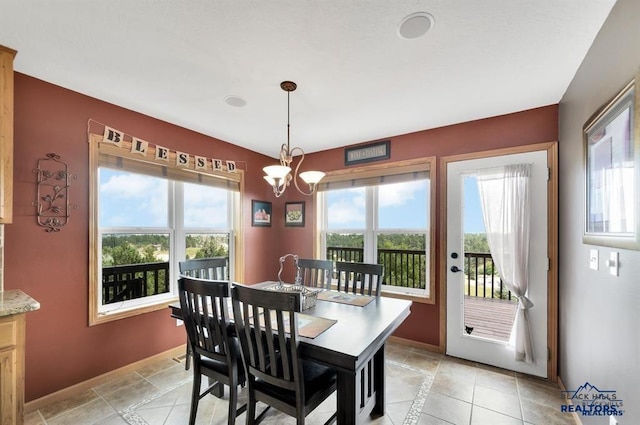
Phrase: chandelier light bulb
[312,177]
[277,172]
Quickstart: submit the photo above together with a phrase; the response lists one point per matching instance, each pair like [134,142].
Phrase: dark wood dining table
[354,346]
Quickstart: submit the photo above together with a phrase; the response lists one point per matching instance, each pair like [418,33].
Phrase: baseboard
[576,417]
[80,387]
[416,344]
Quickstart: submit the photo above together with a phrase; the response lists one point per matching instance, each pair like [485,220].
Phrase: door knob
[455,269]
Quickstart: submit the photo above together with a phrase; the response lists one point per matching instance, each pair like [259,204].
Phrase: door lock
[455,269]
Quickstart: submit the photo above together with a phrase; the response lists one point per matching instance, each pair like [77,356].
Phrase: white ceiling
[177,60]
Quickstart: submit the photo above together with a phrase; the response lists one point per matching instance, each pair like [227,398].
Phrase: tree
[350,240]
[212,248]
[149,255]
[476,242]
[125,254]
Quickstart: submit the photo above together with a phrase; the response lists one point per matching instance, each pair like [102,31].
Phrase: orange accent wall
[62,349]
[517,129]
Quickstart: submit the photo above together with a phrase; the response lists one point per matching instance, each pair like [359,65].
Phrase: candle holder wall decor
[52,193]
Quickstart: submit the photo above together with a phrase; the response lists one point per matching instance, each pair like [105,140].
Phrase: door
[479,312]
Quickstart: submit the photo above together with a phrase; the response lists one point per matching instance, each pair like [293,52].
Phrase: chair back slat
[214,268]
[315,273]
[360,278]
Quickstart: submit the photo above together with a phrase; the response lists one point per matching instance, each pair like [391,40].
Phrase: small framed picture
[294,214]
[260,213]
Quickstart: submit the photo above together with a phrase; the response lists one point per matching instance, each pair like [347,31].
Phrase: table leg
[362,393]
[217,390]
[378,381]
[348,399]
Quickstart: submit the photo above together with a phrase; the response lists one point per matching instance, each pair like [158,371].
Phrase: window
[145,219]
[382,215]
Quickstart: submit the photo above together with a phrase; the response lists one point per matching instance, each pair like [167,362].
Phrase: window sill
[400,295]
[411,297]
[124,313]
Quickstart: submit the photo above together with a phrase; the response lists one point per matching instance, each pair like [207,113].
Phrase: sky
[135,200]
[401,206]
[472,217]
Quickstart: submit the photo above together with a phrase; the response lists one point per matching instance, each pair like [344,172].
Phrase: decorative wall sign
[52,199]
[372,152]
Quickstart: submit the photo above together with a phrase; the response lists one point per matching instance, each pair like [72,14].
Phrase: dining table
[351,339]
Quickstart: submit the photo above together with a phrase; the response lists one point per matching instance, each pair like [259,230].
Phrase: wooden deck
[489,318]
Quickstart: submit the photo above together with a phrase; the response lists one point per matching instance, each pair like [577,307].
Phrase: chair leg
[234,411]
[187,360]
[195,396]
[251,410]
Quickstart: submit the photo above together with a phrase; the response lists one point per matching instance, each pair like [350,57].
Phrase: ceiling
[358,80]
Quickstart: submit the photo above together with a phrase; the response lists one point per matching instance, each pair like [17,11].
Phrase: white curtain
[504,195]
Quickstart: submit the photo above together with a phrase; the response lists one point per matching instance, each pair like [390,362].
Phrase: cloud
[347,209]
[128,185]
[195,194]
[213,216]
[205,206]
[132,200]
[397,194]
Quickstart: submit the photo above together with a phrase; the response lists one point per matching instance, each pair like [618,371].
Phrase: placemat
[311,326]
[308,326]
[344,298]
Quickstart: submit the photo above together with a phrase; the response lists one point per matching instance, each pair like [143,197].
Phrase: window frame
[373,171]
[96,316]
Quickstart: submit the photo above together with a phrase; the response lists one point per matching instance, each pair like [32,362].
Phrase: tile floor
[423,388]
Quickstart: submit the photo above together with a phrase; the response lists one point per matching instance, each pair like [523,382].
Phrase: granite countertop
[15,302]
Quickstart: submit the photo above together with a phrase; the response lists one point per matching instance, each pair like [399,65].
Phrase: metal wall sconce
[52,199]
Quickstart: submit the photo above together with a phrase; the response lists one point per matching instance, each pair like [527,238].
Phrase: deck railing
[131,281]
[407,268]
[481,277]
[349,255]
[402,267]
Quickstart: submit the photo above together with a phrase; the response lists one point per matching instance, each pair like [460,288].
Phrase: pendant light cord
[288,125]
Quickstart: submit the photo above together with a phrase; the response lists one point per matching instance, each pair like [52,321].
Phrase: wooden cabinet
[6,134]
[12,341]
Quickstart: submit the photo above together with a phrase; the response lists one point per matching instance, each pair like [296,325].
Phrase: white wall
[599,314]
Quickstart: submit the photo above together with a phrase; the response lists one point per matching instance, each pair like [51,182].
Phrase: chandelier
[279,176]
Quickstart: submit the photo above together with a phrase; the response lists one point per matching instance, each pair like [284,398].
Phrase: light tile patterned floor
[422,389]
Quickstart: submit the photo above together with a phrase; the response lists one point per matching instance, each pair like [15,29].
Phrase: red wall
[62,349]
[522,128]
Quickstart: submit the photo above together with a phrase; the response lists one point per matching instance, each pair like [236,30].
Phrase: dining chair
[315,273]
[215,349]
[213,268]
[360,278]
[277,375]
